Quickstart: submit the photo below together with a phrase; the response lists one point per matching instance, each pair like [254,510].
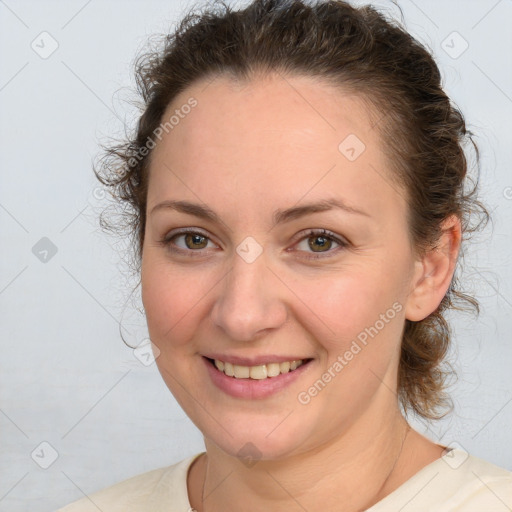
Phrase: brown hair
[359,50]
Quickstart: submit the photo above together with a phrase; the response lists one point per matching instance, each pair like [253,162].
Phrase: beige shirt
[456,482]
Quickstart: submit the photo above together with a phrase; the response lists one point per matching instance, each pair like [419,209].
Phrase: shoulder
[476,484]
[153,490]
[456,482]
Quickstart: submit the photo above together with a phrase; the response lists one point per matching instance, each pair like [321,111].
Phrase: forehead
[275,136]
[300,107]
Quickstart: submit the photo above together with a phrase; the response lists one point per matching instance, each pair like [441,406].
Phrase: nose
[248,303]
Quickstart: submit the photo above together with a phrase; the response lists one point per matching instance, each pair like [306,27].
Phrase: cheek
[350,306]
[358,324]
[334,309]
[172,298]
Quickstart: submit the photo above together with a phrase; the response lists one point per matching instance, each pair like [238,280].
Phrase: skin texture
[245,151]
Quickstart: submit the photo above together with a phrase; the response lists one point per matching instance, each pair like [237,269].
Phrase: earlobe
[434,272]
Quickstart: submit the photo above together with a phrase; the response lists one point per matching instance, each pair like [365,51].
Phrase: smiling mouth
[258,372]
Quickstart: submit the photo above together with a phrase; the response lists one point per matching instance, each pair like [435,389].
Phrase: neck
[359,466]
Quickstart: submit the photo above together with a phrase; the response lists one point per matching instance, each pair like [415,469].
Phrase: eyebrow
[279,216]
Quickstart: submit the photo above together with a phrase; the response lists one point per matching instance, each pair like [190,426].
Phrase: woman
[297,183]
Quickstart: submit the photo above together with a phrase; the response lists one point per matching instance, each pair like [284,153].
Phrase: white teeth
[229,370]
[273,369]
[285,367]
[259,372]
[241,372]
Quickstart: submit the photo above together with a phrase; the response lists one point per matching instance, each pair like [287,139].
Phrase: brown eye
[188,243]
[322,242]
[195,241]
[319,243]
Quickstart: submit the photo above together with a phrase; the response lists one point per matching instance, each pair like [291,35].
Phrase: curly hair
[356,49]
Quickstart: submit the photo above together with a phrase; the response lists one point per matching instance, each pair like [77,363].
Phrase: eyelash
[310,233]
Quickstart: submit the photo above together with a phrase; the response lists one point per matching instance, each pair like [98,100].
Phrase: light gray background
[66,378]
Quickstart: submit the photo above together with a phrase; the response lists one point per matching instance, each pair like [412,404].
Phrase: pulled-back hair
[358,50]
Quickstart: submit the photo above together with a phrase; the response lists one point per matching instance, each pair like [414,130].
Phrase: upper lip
[254,361]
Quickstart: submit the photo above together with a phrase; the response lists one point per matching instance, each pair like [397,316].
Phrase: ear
[434,272]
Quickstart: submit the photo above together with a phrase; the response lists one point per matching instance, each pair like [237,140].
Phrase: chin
[252,439]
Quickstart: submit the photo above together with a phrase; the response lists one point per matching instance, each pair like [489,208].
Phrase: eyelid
[166,241]
[316,232]
[185,231]
[305,233]
[302,235]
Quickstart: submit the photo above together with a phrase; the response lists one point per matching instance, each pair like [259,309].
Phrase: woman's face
[263,276]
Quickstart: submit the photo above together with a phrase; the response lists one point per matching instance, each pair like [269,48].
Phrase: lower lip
[252,388]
